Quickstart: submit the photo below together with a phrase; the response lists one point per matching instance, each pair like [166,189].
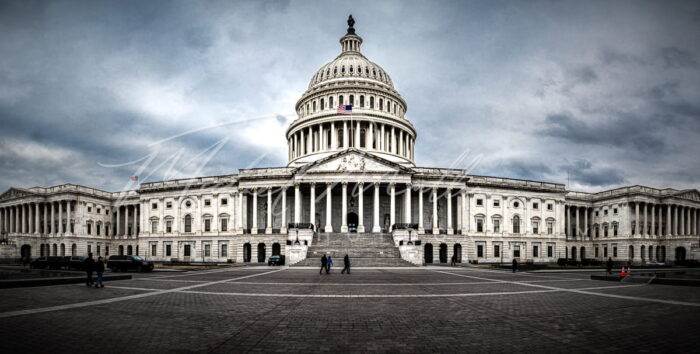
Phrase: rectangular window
[154,227]
[89,209]
[550,227]
[596,252]
[614,251]
[98,250]
[224,201]
[536,227]
[605,251]
[168,226]
[550,251]
[188,250]
[169,205]
[536,251]
[207,250]
[615,211]
[496,203]
[207,202]
[479,202]
[224,224]
[224,250]
[106,250]
[480,251]
[614,229]
[153,250]
[516,251]
[550,207]
[154,205]
[168,250]
[535,205]
[596,213]
[89,229]
[605,231]
[496,225]
[496,250]
[479,225]
[207,225]
[605,212]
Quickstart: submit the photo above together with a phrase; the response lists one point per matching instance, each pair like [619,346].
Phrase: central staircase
[364,249]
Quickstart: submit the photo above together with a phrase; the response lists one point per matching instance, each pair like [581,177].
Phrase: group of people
[94,266]
[327,263]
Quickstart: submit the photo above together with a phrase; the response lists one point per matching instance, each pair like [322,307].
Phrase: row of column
[344,191]
[37,218]
[680,220]
[118,230]
[358,134]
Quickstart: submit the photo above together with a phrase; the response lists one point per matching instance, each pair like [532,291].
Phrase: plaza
[429,309]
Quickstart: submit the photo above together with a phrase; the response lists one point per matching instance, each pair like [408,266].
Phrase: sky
[592,94]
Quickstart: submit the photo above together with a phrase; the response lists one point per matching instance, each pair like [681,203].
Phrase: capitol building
[352,185]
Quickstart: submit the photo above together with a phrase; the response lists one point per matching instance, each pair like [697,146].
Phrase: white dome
[350,65]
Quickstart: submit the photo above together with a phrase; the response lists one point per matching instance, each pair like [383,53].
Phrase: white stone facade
[352,173]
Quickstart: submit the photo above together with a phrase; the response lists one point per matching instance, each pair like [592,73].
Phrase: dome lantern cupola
[351,42]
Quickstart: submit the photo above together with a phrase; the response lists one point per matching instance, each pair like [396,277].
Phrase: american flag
[134,178]
[345,109]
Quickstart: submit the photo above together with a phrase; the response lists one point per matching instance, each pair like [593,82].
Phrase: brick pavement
[416,310]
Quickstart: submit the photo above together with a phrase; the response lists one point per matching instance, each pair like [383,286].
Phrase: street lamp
[297,243]
[410,243]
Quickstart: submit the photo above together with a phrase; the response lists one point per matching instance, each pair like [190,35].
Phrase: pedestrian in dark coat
[89,268]
[100,270]
[515,265]
[609,265]
[346,263]
[453,261]
[329,264]
[324,262]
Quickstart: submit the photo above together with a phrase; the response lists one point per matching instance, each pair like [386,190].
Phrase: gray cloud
[583,172]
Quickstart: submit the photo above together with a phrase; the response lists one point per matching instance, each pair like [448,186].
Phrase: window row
[517,251]
[516,225]
[188,223]
[516,204]
[207,203]
[342,70]
[332,102]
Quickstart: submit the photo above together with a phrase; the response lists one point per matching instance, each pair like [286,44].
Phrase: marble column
[68,205]
[653,220]
[135,227]
[254,227]
[60,217]
[312,205]
[420,210]
[376,227]
[407,200]
[283,228]
[637,222]
[297,204]
[668,220]
[344,208]
[436,230]
[645,229]
[345,136]
[392,205]
[268,218]
[53,220]
[450,229]
[329,210]
[568,220]
[36,218]
[12,219]
[585,222]
[360,208]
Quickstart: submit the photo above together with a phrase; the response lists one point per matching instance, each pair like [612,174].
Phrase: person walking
[515,265]
[453,261]
[609,265]
[100,270]
[89,268]
[346,263]
[324,262]
[329,264]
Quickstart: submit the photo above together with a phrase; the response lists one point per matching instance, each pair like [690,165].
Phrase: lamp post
[410,243]
[297,243]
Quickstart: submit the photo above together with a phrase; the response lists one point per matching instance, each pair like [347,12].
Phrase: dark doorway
[573,252]
[428,253]
[583,253]
[443,253]
[663,254]
[458,252]
[187,252]
[246,252]
[129,250]
[121,250]
[26,251]
[275,249]
[261,253]
[680,255]
[352,222]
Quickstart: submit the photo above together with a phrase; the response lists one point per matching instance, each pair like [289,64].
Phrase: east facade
[351,170]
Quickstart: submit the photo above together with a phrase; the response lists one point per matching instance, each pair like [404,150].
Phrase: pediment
[354,161]
[13,193]
[691,194]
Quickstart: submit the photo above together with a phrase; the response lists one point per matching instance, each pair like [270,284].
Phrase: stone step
[357,262]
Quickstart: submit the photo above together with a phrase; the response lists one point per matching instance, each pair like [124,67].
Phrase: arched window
[322,104]
[516,224]
[313,105]
[631,252]
[335,70]
[362,138]
[330,102]
[351,69]
[374,72]
[328,72]
[371,102]
[352,100]
[188,223]
[340,138]
[362,100]
[342,69]
[381,104]
[340,100]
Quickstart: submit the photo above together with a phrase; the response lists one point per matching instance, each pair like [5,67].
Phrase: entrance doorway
[26,252]
[352,222]
[458,252]
[443,253]
[261,253]
[275,249]
[573,252]
[680,255]
[583,253]
[428,253]
[246,252]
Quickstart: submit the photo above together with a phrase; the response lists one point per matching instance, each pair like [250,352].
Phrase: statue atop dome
[351,23]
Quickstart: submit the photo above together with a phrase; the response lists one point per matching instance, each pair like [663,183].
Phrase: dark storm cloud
[518,87]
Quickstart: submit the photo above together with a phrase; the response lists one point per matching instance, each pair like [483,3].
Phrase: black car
[125,263]
[567,262]
[591,262]
[75,262]
[275,260]
[51,262]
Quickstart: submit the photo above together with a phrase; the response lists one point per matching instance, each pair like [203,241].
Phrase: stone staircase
[364,249]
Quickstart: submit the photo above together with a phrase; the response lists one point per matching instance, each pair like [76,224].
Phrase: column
[283,228]
[240,210]
[254,227]
[329,211]
[334,138]
[376,227]
[12,219]
[344,212]
[393,140]
[451,230]
[268,223]
[668,220]
[420,210]
[357,135]
[408,203]
[568,220]
[653,220]
[345,135]
[312,206]
[68,217]
[310,141]
[675,220]
[297,204]
[465,212]
[370,138]
[392,206]
[135,227]
[636,219]
[381,140]
[436,230]
[585,222]
[645,230]
[682,222]
[60,217]
[46,220]
[360,208]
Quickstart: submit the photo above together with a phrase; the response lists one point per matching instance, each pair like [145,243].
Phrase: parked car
[655,264]
[75,263]
[567,261]
[275,260]
[125,263]
[591,262]
[39,263]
